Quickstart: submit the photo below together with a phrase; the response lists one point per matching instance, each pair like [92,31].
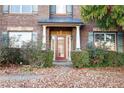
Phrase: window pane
[69,9]
[110,37]
[110,41]
[5,9]
[15,8]
[52,9]
[99,40]
[18,39]
[99,37]
[60,9]
[35,8]
[26,9]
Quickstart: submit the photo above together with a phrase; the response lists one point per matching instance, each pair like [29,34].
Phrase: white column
[53,45]
[44,38]
[69,47]
[77,37]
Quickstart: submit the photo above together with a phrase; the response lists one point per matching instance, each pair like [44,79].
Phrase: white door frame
[68,46]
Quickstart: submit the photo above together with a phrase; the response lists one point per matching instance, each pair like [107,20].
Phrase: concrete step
[58,63]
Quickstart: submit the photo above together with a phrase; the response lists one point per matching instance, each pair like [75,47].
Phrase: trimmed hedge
[114,58]
[121,59]
[80,58]
[97,58]
[103,58]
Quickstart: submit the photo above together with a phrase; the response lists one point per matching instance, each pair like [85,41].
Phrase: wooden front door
[61,48]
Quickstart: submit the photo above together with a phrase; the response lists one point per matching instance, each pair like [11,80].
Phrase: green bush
[96,56]
[114,58]
[104,58]
[10,56]
[38,58]
[120,59]
[80,58]
[26,55]
[47,58]
[35,56]
[111,58]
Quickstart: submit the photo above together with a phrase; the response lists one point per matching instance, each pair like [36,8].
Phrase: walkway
[19,77]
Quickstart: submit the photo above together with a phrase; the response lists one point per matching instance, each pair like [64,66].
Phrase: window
[23,8]
[105,40]
[26,9]
[60,9]
[15,8]
[18,39]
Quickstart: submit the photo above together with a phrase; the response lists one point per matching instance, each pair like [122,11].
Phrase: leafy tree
[105,16]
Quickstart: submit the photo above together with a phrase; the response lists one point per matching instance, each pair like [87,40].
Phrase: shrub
[111,58]
[47,58]
[96,56]
[10,56]
[36,57]
[114,58]
[27,55]
[120,59]
[103,58]
[80,58]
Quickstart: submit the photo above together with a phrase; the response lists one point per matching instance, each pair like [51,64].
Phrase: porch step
[61,63]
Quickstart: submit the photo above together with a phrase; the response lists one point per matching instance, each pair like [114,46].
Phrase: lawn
[61,77]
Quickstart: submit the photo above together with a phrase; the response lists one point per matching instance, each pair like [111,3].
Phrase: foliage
[80,58]
[120,59]
[101,58]
[48,58]
[10,56]
[28,54]
[96,56]
[105,16]
[111,58]
[36,57]
[114,59]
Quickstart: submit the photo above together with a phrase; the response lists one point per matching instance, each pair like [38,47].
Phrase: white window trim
[105,37]
[20,12]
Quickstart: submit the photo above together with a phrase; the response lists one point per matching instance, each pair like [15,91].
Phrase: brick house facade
[61,32]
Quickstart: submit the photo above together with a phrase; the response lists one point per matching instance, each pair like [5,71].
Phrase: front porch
[62,40]
[62,37]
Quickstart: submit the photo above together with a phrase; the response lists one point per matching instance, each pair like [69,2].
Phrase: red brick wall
[31,20]
[84,35]
[76,11]
[23,20]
